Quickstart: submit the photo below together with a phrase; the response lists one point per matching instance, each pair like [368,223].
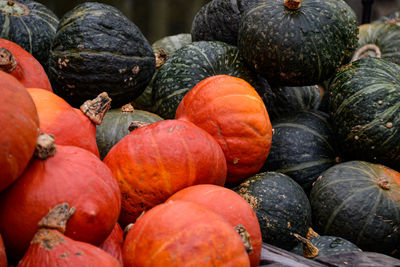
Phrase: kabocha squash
[192,64]
[114,242]
[50,247]
[295,42]
[359,201]
[116,123]
[97,49]
[364,105]
[73,175]
[3,256]
[180,233]
[157,160]
[22,65]
[281,206]
[232,207]
[234,114]
[19,122]
[303,147]
[30,25]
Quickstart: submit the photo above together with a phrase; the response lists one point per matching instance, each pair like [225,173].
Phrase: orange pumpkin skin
[155,161]
[114,242]
[230,206]
[180,233]
[234,114]
[3,256]
[28,71]
[69,125]
[19,124]
[73,175]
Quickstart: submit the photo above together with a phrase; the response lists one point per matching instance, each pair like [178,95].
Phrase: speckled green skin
[32,28]
[281,206]
[348,202]
[98,49]
[300,47]
[192,64]
[303,146]
[395,15]
[328,245]
[364,102]
[115,126]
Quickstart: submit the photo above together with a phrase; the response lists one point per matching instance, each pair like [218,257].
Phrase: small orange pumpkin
[114,242]
[3,256]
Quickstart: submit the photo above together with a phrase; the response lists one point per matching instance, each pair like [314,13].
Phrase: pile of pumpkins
[271,122]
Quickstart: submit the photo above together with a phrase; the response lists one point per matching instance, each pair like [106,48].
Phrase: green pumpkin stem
[361,52]
[97,108]
[309,250]
[7,60]
[45,146]
[292,4]
[245,236]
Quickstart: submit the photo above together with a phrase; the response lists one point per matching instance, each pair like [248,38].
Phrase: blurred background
[159,18]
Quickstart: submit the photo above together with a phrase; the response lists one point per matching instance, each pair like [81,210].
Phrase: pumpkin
[180,233]
[22,65]
[359,201]
[29,24]
[114,242]
[231,206]
[297,43]
[50,247]
[303,147]
[194,63]
[157,160]
[73,175]
[3,256]
[393,17]
[281,206]
[234,114]
[20,128]
[97,49]
[363,103]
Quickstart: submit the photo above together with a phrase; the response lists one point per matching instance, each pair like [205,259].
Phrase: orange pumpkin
[157,160]
[3,256]
[230,110]
[114,242]
[181,233]
[19,124]
[22,65]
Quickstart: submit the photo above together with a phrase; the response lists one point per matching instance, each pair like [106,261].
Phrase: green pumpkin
[359,201]
[97,49]
[281,206]
[30,25]
[194,63]
[364,99]
[298,46]
[394,17]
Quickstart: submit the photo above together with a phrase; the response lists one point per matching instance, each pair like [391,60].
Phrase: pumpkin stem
[127,229]
[383,183]
[7,60]
[245,236]
[311,233]
[161,57]
[127,108]
[57,218]
[309,250]
[136,124]
[293,4]
[45,146]
[10,3]
[363,52]
[97,108]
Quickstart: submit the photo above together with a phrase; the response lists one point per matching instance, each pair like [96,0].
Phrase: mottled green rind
[300,47]
[394,15]
[194,63]
[348,202]
[328,245]
[102,50]
[34,31]
[364,102]
[281,206]
[115,126]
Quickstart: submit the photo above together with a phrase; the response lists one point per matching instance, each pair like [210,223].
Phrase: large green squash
[298,46]
[30,25]
[364,102]
[192,64]
[359,201]
[281,206]
[97,49]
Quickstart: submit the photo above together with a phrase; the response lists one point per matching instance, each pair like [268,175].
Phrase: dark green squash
[192,64]
[296,47]
[303,146]
[97,49]
[30,25]
[393,17]
[281,206]
[364,103]
[359,201]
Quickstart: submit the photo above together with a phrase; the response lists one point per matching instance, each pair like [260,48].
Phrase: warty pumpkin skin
[157,160]
[19,122]
[230,110]
[114,242]
[180,233]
